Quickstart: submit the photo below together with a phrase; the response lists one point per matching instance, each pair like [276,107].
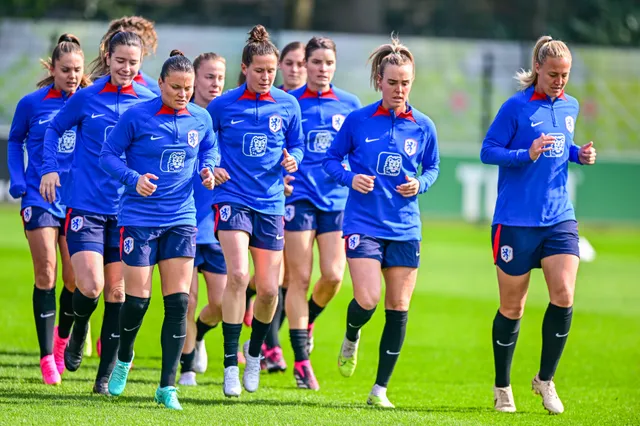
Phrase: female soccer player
[164,141]
[91,227]
[259,133]
[43,221]
[534,224]
[294,73]
[387,142]
[209,71]
[314,211]
[147,32]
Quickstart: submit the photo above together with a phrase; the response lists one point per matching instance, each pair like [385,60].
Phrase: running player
[259,133]
[91,228]
[147,32]
[534,224]
[164,140]
[294,73]
[209,71]
[43,221]
[314,211]
[387,142]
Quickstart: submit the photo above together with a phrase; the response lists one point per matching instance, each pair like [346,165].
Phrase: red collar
[140,79]
[53,94]
[543,97]
[166,110]
[125,90]
[249,95]
[329,94]
[408,114]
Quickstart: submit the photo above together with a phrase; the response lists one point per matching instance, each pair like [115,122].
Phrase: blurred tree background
[595,22]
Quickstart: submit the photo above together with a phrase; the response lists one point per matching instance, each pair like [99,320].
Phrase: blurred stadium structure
[467,53]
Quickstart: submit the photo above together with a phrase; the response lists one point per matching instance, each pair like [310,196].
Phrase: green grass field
[444,375]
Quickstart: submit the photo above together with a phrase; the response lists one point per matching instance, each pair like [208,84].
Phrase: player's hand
[220,175]
[540,145]
[48,185]
[288,188]
[144,186]
[17,191]
[289,163]
[363,183]
[410,188]
[208,180]
[587,154]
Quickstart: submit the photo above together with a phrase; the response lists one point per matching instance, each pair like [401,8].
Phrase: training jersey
[94,110]
[253,129]
[168,143]
[322,116]
[148,82]
[204,211]
[33,114]
[390,147]
[532,193]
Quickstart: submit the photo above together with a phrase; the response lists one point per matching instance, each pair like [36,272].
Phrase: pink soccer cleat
[58,350]
[49,370]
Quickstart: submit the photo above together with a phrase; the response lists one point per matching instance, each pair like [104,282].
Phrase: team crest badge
[353,241]
[192,138]
[76,223]
[225,213]
[127,245]
[289,212]
[336,121]
[275,123]
[26,214]
[410,146]
[570,123]
[506,253]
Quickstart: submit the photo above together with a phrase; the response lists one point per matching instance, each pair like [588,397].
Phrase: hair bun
[176,52]
[258,34]
[70,38]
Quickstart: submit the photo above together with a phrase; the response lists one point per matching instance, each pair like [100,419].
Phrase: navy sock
[314,310]
[110,339]
[65,317]
[44,312]
[231,336]
[555,330]
[131,315]
[504,337]
[357,317]
[395,328]
[173,335]
[83,307]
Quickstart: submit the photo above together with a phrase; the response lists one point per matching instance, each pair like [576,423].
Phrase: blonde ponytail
[546,47]
[394,53]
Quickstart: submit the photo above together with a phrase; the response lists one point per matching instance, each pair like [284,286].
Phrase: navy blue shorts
[519,249]
[266,231]
[304,216]
[34,217]
[389,253]
[88,231]
[209,258]
[146,246]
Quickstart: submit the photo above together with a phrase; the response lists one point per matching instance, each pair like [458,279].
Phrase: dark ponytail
[177,62]
[67,43]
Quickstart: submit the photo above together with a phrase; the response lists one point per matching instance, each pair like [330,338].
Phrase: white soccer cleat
[200,360]
[550,399]
[251,376]
[188,378]
[231,383]
[378,398]
[503,399]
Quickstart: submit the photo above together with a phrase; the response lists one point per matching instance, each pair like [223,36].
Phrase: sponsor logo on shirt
[172,160]
[254,144]
[67,143]
[389,164]
[319,140]
[557,149]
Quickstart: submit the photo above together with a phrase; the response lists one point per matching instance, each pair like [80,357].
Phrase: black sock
[555,329]
[83,307]
[504,336]
[259,332]
[109,338]
[395,328]
[65,317]
[231,336]
[314,310]
[249,294]
[186,361]
[131,315]
[202,329]
[44,312]
[173,335]
[357,317]
[283,314]
[273,339]
[299,344]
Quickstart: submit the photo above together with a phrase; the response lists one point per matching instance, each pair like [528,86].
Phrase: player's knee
[114,294]
[45,277]
[512,311]
[237,280]
[268,295]
[562,297]
[368,301]
[332,279]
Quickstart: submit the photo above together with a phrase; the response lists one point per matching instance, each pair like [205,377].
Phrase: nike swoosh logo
[392,353]
[417,254]
[179,337]
[353,326]
[229,356]
[367,140]
[131,329]
[50,314]
[67,314]
[536,124]
[154,138]
[562,335]
[236,121]
[44,121]
[279,237]
[96,115]
[115,336]
[303,120]
[502,344]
